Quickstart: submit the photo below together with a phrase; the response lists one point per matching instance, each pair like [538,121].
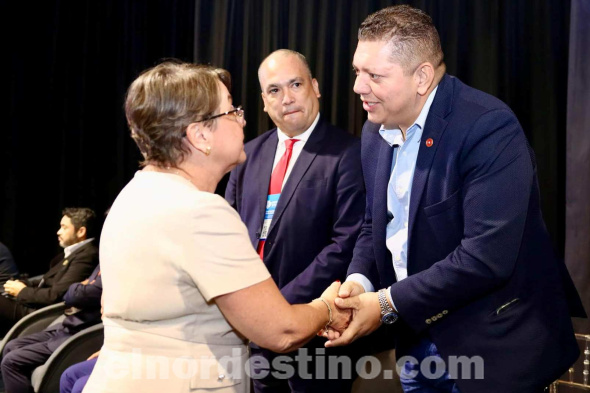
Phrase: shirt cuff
[388,293]
[361,279]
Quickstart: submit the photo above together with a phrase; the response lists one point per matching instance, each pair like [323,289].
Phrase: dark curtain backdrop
[66,142]
[577,250]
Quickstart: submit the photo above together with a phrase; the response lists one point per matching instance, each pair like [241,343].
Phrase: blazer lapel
[433,129]
[306,157]
[62,265]
[54,270]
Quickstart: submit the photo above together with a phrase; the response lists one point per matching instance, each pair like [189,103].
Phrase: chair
[79,347]
[572,380]
[35,322]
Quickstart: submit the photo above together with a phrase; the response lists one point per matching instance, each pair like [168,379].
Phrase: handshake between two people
[355,313]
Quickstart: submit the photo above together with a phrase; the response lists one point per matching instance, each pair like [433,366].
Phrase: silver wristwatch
[388,316]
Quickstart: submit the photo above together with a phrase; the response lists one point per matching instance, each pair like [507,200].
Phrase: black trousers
[23,355]
[11,312]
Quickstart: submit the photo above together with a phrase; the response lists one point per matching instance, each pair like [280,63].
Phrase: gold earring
[208,151]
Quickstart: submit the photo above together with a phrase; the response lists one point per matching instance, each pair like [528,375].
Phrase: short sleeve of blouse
[223,259]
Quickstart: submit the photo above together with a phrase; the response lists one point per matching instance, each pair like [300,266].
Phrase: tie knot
[290,142]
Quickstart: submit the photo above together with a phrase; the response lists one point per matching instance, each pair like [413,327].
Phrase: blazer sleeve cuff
[22,295]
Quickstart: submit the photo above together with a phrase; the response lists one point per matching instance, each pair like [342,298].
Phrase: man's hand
[85,282]
[340,317]
[13,287]
[366,318]
[350,289]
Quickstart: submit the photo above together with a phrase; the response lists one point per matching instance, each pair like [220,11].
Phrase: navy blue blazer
[84,303]
[483,278]
[319,213]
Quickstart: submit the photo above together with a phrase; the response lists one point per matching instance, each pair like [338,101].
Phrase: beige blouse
[166,250]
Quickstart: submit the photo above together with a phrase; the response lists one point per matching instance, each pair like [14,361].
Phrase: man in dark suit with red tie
[301,195]
[78,260]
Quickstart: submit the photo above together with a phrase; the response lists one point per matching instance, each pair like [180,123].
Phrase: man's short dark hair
[409,31]
[82,217]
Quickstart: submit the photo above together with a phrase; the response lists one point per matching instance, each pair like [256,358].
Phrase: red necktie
[276,179]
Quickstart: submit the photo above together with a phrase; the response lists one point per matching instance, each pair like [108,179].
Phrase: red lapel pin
[429,142]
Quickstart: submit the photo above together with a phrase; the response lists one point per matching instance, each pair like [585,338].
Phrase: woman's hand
[340,317]
[366,318]
[347,289]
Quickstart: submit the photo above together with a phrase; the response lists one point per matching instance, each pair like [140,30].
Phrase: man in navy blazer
[453,238]
[310,238]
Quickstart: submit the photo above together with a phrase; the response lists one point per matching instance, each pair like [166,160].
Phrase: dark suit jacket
[483,277]
[84,303]
[76,268]
[319,213]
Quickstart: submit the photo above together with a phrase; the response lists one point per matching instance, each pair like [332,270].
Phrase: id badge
[271,205]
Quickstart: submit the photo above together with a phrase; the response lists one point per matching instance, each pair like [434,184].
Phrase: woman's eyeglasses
[238,113]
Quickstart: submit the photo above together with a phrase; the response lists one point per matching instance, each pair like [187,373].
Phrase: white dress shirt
[297,147]
[399,190]
[70,249]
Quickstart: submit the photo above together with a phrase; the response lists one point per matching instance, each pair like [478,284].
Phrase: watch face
[389,318]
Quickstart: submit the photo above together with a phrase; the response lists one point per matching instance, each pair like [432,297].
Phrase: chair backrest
[578,376]
[33,323]
[76,349]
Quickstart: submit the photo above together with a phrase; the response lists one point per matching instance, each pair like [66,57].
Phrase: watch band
[388,315]
[383,302]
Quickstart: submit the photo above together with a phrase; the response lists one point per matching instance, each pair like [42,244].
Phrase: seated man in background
[22,355]
[79,258]
[8,269]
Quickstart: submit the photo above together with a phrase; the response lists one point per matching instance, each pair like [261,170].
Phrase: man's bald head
[285,52]
[289,92]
